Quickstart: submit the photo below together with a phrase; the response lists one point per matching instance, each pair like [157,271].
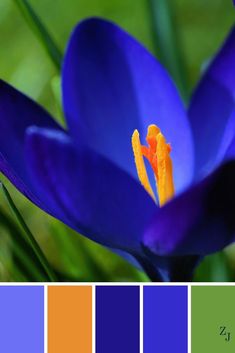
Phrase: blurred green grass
[201,25]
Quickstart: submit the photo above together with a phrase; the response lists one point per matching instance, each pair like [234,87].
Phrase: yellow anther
[165,183]
[139,162]
[158,154]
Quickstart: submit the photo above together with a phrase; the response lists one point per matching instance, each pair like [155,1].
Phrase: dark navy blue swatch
[117,319]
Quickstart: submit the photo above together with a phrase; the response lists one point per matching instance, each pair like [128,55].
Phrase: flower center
[158,155]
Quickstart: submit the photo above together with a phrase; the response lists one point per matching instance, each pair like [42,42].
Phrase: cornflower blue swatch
[165,319]
[22,319]
[117,319]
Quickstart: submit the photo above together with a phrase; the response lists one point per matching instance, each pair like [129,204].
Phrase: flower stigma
[158,155]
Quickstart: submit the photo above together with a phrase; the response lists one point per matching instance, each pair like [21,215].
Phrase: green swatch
[213,319]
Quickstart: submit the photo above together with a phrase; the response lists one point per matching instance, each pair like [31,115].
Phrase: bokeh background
[199,27]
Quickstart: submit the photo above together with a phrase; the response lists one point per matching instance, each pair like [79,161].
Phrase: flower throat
[158,155]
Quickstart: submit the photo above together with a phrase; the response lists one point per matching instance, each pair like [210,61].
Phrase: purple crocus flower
[87,176]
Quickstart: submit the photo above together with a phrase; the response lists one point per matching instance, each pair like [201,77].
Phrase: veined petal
[89,193]
[212,106]
[17,113]
[198,222]
[111,86]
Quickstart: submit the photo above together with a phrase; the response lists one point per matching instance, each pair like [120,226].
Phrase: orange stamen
[139,162]
[158,154]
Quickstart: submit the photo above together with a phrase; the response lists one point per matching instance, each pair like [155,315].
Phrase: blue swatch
[22,319]
[165,319]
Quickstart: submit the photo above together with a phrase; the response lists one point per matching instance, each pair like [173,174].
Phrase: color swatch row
[116,318]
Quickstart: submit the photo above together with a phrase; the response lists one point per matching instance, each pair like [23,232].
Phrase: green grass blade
[167,42]
[23,258]
[26,265]
[40,30]
[36,248]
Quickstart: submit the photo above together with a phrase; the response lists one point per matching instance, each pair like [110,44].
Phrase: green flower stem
[167,42]
[36,248]
[41,31]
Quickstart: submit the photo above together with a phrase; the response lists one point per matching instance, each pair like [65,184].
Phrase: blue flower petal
[227,146]
[89,193]
[17,113]
[198,222]
[212,106]
[111,86]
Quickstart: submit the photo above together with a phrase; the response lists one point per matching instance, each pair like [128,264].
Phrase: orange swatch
[69,319]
